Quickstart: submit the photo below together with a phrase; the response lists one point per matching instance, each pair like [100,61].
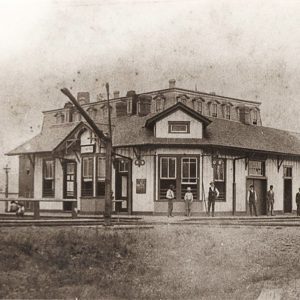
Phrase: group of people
[213,195]
[17,207]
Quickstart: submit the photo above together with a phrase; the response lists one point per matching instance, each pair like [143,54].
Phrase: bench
[36,204]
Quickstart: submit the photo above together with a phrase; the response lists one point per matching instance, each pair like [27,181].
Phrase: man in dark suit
[270,201]
[298,203]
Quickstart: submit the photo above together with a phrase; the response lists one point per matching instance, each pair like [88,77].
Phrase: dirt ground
[166,262]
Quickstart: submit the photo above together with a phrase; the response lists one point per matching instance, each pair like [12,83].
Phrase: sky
[242,49]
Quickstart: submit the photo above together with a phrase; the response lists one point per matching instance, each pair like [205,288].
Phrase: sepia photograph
[150,149]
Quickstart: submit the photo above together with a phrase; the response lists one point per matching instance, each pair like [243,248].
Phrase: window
[189,175]
[92,112]
[287,172]
[186,176]
[87,176]
[219,173]
[199,106]
[159,104]
[214,112]
[167,175]
[60,117]
[188,170]
[100,186]
[254,117]
[227,112]
[168,167]
[256,168]
[48,178]
[179,127]
[123,166]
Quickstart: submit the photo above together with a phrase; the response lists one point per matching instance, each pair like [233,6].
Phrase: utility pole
[6,169]
[108,165]
[108,145]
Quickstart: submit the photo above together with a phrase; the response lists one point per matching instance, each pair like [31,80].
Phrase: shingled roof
[130,131]
[46,141]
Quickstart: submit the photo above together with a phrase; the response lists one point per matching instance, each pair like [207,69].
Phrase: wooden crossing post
[108,145]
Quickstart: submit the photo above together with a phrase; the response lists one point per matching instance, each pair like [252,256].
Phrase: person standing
[170,196]
[213,194]
[188,199]
[252,198]
[298,203]
[270,201]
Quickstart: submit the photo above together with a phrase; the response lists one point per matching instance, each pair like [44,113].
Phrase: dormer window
[214,110]
[227,112]
[179,127]
[105,110]
[198,105]
[92,111]
[159,102]
[254,114]
[182,99]
[60,117]
[76,116]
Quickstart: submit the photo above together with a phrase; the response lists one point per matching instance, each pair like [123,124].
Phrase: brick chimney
[172,83]
[116,94]
[83,97]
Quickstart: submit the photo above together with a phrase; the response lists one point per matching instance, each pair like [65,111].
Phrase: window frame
[182,177]
[227,112]
[168,171]
[263,168]
[284,174]
[180,187]
[179,123]
[214,109]
[100,180]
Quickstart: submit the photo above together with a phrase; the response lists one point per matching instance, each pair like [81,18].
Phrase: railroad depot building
[170,136]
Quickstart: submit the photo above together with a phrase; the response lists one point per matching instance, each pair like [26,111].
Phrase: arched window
[198,105]
[214,109]
[92,111]
[182,98]
[60,117]
[159,102]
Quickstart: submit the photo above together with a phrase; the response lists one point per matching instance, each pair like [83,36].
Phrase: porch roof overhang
[48,140]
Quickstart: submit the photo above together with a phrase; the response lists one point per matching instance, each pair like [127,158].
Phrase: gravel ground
[166,262]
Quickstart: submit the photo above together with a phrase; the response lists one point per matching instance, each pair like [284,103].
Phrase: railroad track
[139,221]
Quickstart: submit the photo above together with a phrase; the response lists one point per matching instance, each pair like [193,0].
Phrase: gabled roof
[178,106]
[221,133]
[47,140]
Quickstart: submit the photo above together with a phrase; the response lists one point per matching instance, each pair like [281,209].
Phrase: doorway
[123,186]
[287,195]
[70,188]
[260,186]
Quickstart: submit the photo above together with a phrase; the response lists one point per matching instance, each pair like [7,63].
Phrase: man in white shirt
[170,196]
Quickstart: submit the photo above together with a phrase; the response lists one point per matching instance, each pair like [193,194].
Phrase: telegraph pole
[6,169]
[106,140]
[108,166]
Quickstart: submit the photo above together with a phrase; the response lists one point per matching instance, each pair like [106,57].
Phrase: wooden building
[170,136]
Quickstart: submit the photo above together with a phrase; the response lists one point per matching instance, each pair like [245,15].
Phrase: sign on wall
[141,186]
[88,149]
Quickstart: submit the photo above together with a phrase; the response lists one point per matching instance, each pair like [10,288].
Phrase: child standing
[188,199]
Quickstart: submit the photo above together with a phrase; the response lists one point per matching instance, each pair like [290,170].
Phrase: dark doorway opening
[70,188]
[287,196]
[260,186]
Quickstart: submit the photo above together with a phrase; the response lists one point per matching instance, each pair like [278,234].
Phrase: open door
[70,188]
[123,186]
